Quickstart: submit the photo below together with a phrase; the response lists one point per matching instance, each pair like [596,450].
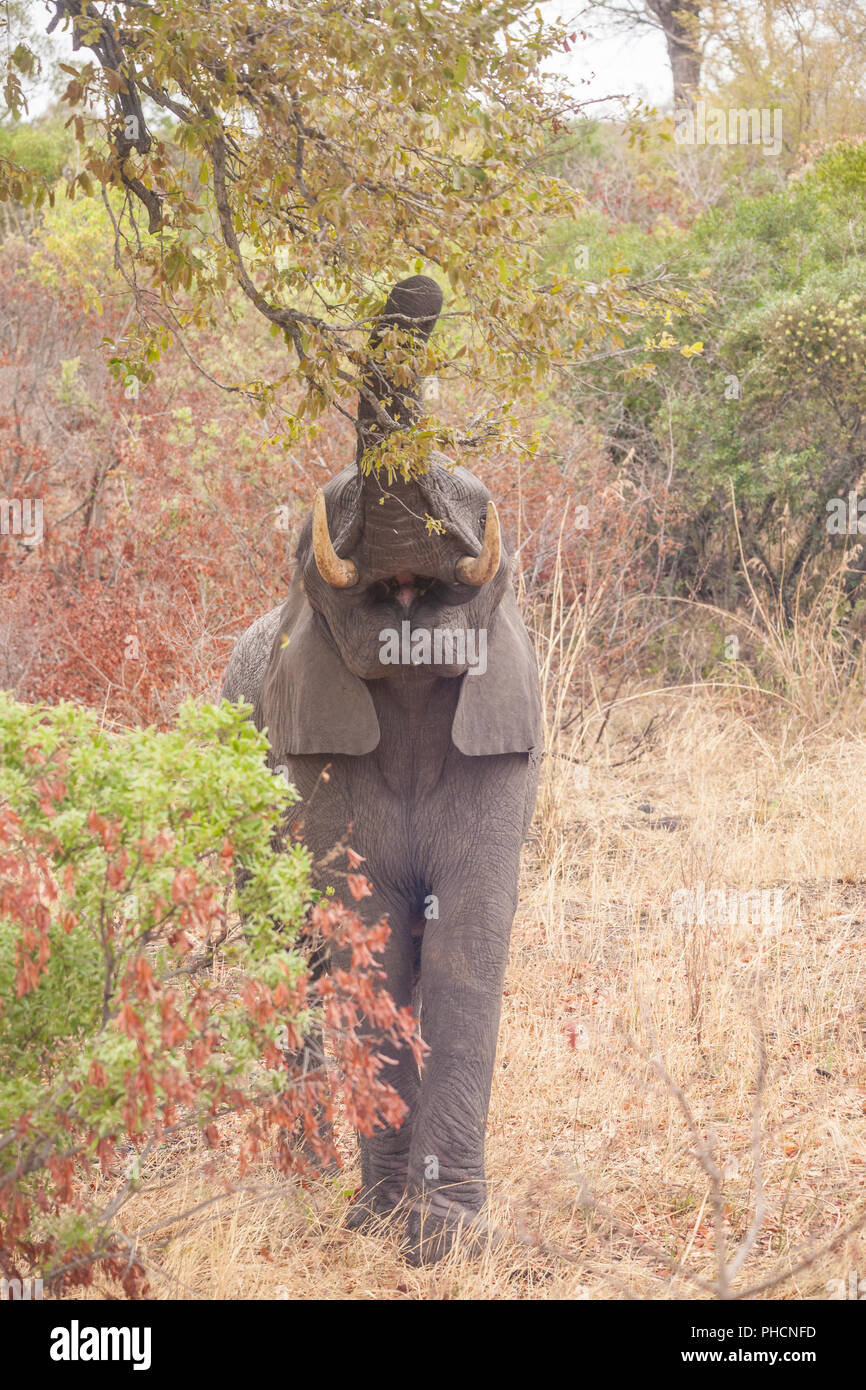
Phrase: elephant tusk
[480,569]
[340,574]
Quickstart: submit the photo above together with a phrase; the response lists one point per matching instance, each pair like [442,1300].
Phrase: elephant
[400,663]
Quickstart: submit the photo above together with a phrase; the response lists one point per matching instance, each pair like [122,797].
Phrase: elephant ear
[309,700]
[500,711]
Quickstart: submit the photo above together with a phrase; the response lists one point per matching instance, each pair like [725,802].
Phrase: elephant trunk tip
[414,304]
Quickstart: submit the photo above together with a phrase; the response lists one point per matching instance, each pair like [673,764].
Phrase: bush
[765,396]
[118,854]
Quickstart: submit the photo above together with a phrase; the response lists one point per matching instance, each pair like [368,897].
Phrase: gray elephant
[399,662]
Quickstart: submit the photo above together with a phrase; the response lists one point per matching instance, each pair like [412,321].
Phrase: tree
[680,23]
[306,156]
[804,55]
[803,58]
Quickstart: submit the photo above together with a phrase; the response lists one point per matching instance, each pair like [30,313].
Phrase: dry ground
[619,1018]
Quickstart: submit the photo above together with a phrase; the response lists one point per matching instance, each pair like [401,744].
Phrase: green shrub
[771,405]
[118,855]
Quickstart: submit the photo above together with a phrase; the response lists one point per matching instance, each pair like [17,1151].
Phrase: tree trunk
[680,23]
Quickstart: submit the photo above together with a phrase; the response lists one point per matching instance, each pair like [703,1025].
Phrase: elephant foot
[433,1230]
[373,1205]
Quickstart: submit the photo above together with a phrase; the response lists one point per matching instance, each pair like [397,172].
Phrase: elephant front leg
[463,965]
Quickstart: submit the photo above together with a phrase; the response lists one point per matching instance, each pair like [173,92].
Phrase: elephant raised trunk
[412,307]
[390,523]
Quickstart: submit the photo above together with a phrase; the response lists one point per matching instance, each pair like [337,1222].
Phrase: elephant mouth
[403,589]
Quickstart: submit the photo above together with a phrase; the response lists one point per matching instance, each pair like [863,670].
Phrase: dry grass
[593,1169]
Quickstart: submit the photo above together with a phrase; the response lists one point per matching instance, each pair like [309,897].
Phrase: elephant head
[374,580]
